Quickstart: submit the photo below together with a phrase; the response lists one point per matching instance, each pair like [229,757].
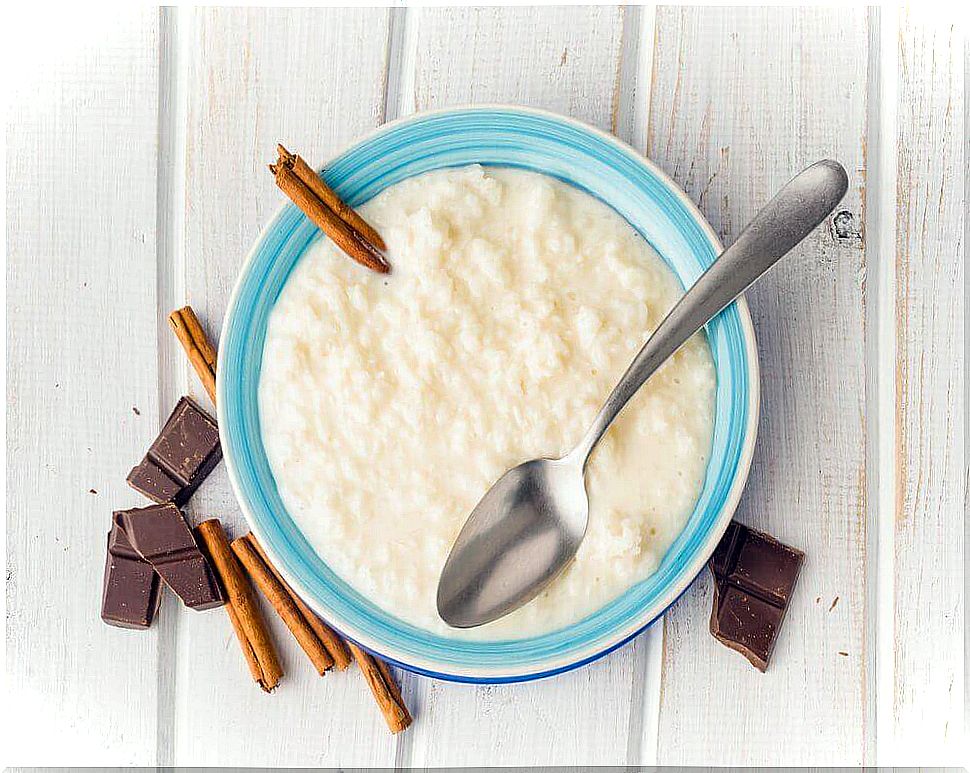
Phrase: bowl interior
[650,203]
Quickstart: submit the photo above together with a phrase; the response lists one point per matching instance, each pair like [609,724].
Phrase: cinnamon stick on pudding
[284,605]
[329,197]
[330,639]
[243,610]
[338,221]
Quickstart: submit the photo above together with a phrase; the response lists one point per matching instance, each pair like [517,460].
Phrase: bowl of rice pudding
[363,415]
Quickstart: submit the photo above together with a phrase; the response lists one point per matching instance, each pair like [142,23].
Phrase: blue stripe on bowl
[605,168]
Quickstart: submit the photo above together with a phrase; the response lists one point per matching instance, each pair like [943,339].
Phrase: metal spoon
[530,524]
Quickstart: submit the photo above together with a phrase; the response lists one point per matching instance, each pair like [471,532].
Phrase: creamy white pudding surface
[390,403]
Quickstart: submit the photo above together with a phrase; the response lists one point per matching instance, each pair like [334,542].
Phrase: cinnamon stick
[249,654]
[242,608]
[330,639]
[200,351]
[376,672]
[283,603]
[385,689]
[343,235]
[329,197]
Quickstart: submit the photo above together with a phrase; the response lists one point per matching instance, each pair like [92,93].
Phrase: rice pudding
[390,403]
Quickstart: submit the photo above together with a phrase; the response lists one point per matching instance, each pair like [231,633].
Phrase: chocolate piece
[766,568]
[132,589]
[184,453]
[721,562]
[754,576]
[746,624]
[162,537]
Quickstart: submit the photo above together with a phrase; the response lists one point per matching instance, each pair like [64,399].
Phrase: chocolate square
[754,577]
[151,480]
[162,537]
[186,442]
[722,562]
[766,567]
[184,453]
[132,589]
[746,624]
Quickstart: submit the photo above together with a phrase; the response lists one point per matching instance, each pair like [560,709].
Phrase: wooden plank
[741,100]
[561,59]
[930,371]
[567,60]
[314,80]
[581,717]
[82,400]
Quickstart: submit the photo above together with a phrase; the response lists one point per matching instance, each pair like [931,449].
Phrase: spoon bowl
[520,536]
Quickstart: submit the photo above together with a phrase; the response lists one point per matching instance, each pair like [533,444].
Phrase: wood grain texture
[568,60]
[931,208]
[563,59]
[82,401]
[312,79]
[743,99]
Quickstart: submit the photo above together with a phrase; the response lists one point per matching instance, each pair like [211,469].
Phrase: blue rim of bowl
[353,174]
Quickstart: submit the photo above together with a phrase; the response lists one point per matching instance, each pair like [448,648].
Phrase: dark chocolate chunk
[754,577]
[152,481]
[184,453]
[132,588]
[721,562]
[746,624]
[766,567]
[162,537]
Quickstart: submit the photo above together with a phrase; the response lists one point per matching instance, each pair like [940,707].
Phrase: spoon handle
[794,212]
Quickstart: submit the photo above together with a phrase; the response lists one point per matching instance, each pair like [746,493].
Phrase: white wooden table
[136,162]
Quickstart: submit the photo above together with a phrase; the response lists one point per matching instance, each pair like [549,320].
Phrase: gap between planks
[880,231]
[631,120]
[399,102]
[401,52]
[174,29]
